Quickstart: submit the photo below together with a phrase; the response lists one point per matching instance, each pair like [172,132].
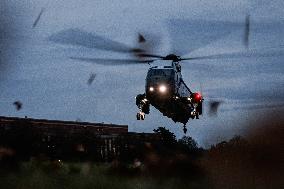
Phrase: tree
[188,144]
[168,138]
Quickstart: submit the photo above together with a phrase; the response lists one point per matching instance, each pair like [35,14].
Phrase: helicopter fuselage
[167,92]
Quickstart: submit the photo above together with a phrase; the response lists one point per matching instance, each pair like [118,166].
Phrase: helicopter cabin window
[161,72]
[161,75]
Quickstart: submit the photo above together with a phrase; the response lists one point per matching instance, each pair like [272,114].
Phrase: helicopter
[165,88]
[167,92]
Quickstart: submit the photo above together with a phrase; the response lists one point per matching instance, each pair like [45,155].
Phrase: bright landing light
[162,88]
[151,89]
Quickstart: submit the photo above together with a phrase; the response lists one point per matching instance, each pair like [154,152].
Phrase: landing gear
[184,129]
[140,116]
[196,108]
[197,115]
[194,113]
[143,105]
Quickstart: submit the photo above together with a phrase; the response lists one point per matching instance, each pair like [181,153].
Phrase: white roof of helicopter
[162,64]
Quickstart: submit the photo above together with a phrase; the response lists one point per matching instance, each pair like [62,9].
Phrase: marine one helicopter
[167,92]
[165,88]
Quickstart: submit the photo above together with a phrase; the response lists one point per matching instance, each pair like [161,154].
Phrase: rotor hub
[172,57]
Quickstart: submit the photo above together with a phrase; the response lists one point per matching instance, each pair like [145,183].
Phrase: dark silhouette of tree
[167,137]
[237,142]
[187,144]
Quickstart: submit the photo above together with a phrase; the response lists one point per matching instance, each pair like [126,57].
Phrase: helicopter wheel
[184,129]
[197,115]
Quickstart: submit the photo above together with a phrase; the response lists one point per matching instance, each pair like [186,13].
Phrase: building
[69,139]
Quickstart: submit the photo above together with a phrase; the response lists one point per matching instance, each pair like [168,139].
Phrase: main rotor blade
[141,38]
[90,40]
[112,61]
[241,54]
[148,42]
[262,106]
[214,106]
[151,55]
[38,17]
[189,35]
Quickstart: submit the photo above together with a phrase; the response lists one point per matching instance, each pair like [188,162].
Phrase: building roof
[60,122]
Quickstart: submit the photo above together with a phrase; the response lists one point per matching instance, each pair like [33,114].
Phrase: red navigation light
[196,97]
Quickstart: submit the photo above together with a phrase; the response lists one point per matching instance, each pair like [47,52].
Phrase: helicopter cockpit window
[161,72]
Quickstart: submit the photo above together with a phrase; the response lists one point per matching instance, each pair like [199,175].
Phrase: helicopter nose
[159,89]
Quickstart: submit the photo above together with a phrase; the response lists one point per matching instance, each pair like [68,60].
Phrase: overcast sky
[39,72]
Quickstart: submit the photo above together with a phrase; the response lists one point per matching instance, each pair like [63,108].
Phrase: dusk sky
[39,73]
